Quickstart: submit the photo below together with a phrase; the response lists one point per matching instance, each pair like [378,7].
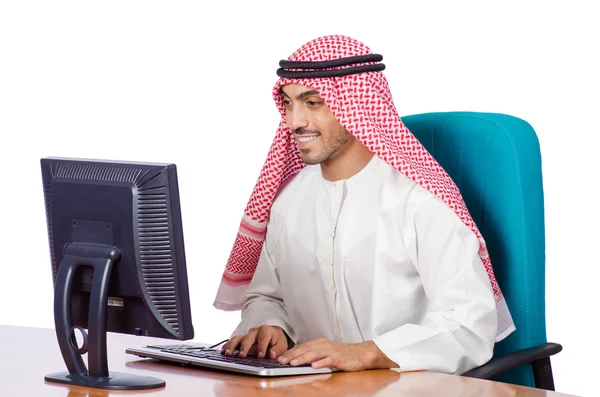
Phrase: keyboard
[213,354]
[213,358]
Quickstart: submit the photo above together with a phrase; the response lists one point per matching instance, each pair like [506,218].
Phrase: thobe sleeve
[458,331]
[264,304]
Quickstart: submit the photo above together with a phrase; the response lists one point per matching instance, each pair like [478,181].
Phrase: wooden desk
[27,354]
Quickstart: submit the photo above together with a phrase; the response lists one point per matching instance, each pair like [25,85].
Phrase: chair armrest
[498,365]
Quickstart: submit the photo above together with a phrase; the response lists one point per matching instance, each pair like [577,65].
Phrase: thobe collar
[361,178]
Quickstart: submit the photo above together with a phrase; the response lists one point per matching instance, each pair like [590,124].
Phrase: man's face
[318,134]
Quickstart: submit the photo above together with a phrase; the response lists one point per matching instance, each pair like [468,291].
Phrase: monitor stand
[102,259]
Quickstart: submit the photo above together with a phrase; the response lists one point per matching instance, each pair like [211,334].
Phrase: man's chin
[307,158]
[310,160]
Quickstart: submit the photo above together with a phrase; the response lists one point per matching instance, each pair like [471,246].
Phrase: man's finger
[295,352]
[308,357]
[247,342]
[231,345]
[322,363]
[280,347]
[267,336]
[316,345]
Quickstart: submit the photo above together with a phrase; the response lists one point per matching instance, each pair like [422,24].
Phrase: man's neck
[347,162]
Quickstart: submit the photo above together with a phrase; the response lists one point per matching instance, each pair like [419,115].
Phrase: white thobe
[374,257]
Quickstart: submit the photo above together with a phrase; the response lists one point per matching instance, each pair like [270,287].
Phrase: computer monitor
[118,262]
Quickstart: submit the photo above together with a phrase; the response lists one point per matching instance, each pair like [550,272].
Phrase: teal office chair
[495,161]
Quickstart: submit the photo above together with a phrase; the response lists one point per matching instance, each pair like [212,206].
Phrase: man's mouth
[305,139]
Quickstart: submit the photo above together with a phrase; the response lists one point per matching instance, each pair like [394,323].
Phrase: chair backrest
[495,161]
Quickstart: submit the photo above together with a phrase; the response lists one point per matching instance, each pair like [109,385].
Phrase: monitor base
[114,381]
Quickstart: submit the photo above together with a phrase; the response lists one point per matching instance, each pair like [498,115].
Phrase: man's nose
[296,118]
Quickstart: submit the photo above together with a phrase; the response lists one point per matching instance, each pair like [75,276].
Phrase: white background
[190,83]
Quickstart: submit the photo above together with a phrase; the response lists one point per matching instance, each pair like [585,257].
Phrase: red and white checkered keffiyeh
[362,103]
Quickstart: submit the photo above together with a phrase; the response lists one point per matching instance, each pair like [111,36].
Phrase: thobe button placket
[336,205]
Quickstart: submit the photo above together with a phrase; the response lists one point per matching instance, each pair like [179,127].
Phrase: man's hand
[345,357]
[257,342]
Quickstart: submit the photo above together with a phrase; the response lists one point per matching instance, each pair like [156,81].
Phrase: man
[356,250]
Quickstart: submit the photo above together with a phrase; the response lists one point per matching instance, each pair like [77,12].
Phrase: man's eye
[314,103]
[287,103]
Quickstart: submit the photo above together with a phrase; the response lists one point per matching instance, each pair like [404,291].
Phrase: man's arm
[264,305]
[459,331]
